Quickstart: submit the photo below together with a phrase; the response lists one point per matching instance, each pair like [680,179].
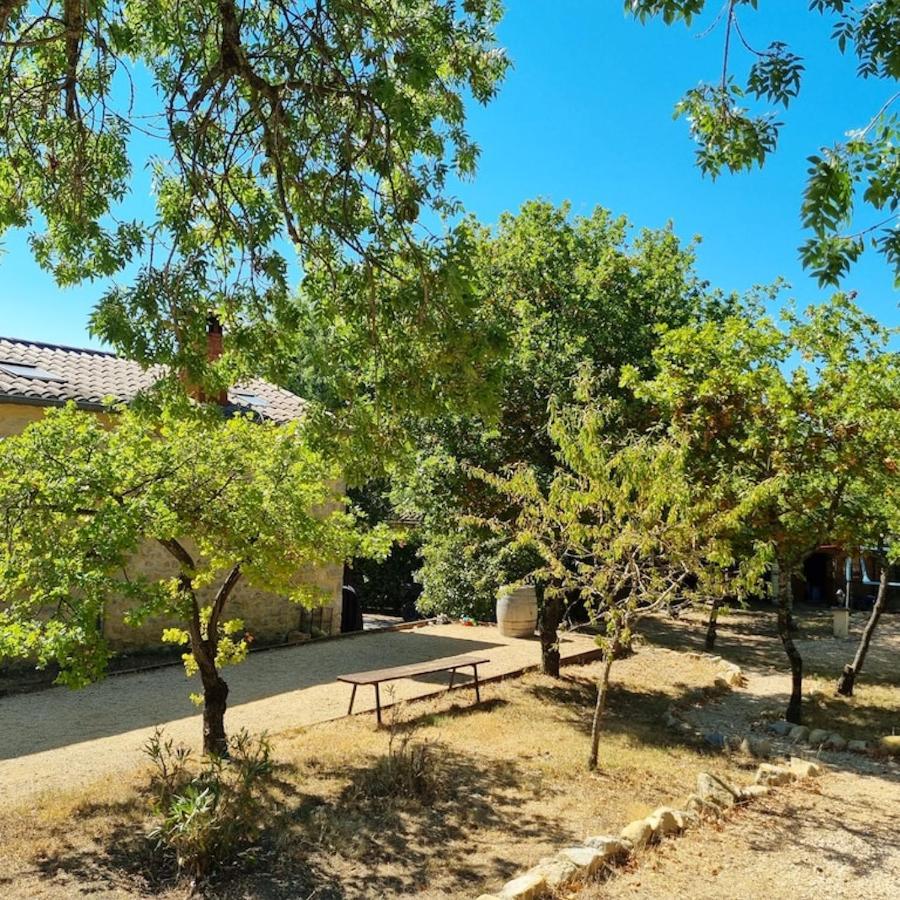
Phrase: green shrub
[212,814]
[462,571]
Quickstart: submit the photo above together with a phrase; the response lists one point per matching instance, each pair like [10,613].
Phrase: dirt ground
[838,836]
[510,787]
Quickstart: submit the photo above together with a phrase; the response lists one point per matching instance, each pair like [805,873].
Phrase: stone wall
[268,617]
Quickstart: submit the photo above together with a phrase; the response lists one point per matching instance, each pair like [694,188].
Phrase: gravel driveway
[60,738]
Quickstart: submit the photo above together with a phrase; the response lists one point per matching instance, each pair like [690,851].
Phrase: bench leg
[477,691]
[352,698]
[377,704]
[452,676]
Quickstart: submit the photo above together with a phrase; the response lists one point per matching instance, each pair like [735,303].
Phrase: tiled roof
[90,376]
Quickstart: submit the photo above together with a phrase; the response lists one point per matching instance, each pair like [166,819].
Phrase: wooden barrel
[517,612]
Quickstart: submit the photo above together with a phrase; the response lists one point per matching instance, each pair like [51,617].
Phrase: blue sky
[585,115]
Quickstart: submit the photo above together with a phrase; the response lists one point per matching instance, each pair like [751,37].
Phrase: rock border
[713,799]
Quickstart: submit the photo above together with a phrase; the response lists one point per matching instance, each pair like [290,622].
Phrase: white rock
[588,859]
[835,742]
[803,768]
[798,734]
[773,775]
[663,822]
[711,788]
[529,886]
[858,746]
[557,871]
[818,736]
[610,847]
[754,791]
[637,833]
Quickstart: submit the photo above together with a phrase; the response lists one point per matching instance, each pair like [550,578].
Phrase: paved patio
[60,738]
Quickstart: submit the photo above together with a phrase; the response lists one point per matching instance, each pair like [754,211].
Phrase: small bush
[212,814]
[406,771]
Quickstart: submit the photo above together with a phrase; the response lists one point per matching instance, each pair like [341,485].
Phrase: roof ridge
[49,346]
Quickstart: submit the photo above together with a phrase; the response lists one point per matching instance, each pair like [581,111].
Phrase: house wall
[268,617]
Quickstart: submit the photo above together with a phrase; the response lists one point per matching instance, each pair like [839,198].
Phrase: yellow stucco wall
[15,416]
[266,616]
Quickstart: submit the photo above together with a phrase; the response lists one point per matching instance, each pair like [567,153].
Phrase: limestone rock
[781,728]
[611,848]
[588,860]
[818,736]
[720,681]
[858,746]
[557,871]
[663,822]
[711,788]
[760,748]
[637,833]
[835,742]
[685,818]
[798,734]
[803,768]
[529,886]
[754,791]
[773,776]
[890,743]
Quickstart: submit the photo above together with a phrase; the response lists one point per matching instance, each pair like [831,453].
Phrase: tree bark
[785,629]
[215,696]
[851,670]
[600,707]
[550,614]
[710,642]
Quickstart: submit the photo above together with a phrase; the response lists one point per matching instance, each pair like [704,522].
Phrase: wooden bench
[429,667]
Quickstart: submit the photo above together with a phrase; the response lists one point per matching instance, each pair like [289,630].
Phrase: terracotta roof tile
[90,376]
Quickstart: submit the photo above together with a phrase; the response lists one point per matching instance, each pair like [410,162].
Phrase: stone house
[35,376]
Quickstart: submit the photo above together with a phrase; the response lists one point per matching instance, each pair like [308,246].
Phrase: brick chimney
[214,349]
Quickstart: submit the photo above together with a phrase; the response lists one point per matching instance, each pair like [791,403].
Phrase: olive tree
[230,499]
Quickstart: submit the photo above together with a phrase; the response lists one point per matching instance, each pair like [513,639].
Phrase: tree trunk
[550,614]
[785,628]
[600,708]
[851,670]
[710,642]
[215,695]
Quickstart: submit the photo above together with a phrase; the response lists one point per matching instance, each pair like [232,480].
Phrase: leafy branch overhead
[736,127]
[328,125]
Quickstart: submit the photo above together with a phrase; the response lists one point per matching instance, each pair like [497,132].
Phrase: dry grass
[507,785]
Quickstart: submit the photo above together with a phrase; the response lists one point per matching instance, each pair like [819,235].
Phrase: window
[249,399]
[26,370]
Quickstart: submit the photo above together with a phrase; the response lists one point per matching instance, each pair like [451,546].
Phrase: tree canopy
[853,187]
[327,127]
[228,499]
[790,428]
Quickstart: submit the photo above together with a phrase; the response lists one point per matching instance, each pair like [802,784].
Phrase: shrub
[213,814]
[406,771]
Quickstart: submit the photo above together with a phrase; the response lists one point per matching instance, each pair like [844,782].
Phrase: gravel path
[837,837]
[59,738]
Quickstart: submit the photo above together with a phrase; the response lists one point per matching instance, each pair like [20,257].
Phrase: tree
[619,524]
[787,428]
[861,172]
[323,128]
[553,291]
[228,498]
